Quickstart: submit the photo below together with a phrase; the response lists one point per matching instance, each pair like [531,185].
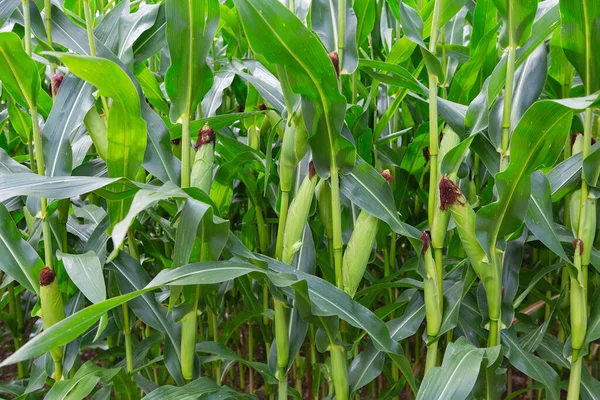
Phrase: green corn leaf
[537,142]
[191,27]
[19,259]
[86,273]
[126,128]
[18,74]
[457,375]
[579,37]
[517,16]
[530,365]
[280,37]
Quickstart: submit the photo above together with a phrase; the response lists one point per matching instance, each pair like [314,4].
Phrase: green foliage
[446,248]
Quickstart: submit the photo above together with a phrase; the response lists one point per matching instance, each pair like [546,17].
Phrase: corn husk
[356,256]
[287,159]
[324,206]
[297,216]
[587,230]
[52,304]
[202,169]
[464,217]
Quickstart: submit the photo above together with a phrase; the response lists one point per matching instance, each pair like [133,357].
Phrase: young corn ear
[298,214]
[441,216]
[52,306]
[287,159]
[578,300]
[202,169]
[324,207]
[356,256]
[431,286]
[451,198]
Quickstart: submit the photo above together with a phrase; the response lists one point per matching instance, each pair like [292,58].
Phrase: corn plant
[299,199]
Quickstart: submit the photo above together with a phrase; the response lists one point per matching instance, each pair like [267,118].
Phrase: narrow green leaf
[18,74]
[19,260]
[191,27]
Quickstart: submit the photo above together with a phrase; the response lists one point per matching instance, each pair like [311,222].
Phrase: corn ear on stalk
[52,309]
[324,206]
[451,198]
[356,256]
[202,169]
[298,214]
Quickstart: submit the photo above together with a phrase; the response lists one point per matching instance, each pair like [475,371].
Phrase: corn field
[299,199]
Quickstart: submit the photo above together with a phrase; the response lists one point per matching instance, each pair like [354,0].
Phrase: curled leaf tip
[335,60]
[449,193]
[426,154]
[262,107]
[425,239]
[56,81]
[47,276]
[311,170]
[578,243]
[386,175]
[205,135]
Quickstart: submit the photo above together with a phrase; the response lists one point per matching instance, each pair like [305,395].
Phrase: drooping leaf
[457,375]
[86,272]
[126,128]
[282,39]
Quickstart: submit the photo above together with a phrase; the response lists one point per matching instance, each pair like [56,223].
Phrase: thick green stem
[89,26]
[127,334]
[336,217]
[432,353]
[281,324]
[494,334]
[285,204]
[508,93]
[39,159]
[575,379]
[341,32]
[433,115]
[27,27]
[48,18]
[185,151]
